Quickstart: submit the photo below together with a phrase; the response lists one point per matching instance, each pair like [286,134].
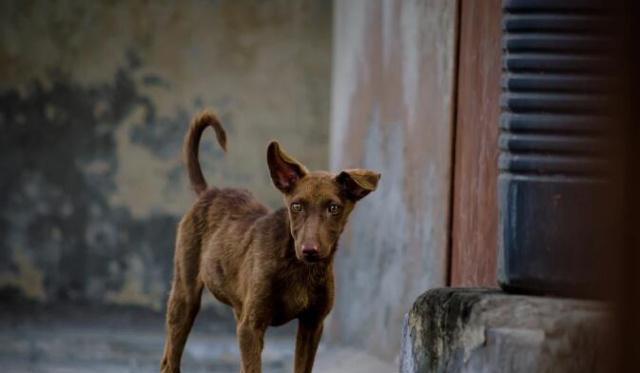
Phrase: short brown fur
[269,266]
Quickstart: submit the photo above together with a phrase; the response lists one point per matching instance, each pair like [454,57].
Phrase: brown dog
[270,267]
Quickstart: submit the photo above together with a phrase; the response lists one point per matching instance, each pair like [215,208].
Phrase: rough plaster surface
[95,98]
[477,330]
[392,111]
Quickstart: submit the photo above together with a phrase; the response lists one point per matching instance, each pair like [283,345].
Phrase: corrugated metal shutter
[553,156]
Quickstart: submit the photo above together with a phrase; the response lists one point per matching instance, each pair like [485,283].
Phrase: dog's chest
[295,299]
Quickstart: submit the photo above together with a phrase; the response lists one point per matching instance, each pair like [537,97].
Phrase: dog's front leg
[307,340]
[251,340]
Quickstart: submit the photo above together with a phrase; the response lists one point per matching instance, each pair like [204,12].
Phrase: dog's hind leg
[183,306]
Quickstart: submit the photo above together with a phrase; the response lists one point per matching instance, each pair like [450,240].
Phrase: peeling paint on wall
[95,99]
[27,276]
[134,290]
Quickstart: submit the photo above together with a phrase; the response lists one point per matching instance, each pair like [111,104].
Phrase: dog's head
[318,203]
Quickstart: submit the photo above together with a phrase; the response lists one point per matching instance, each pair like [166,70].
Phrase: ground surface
[89,339]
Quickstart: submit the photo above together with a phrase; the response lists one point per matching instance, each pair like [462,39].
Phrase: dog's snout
[310,250]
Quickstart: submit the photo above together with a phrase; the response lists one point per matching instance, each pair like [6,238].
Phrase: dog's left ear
[285,170]
[357,183]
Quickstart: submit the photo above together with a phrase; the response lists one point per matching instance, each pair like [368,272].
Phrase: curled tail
[199,123]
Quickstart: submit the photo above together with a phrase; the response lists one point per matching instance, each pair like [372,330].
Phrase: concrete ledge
[480,330]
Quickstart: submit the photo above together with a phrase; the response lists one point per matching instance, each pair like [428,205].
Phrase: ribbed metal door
[553,159]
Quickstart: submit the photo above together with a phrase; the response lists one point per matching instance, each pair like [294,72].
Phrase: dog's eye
[334,209]
[296,207]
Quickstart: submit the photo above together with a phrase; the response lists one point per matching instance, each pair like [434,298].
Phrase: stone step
[482,330]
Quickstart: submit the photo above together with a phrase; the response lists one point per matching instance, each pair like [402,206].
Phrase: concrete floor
[75,339]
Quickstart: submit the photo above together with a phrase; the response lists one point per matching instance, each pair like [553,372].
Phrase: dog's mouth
[311,258]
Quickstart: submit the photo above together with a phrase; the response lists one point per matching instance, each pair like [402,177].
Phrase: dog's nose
[309,250]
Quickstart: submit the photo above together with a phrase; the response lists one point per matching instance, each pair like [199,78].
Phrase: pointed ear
[285,171]
[357,183]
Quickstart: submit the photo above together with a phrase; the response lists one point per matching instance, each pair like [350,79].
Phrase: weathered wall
[392,104]
[95,98]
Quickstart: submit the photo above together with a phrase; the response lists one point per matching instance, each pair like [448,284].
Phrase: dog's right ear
[285,171]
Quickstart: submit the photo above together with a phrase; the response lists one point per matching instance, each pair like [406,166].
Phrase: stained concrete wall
[95,98]
[392,104]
